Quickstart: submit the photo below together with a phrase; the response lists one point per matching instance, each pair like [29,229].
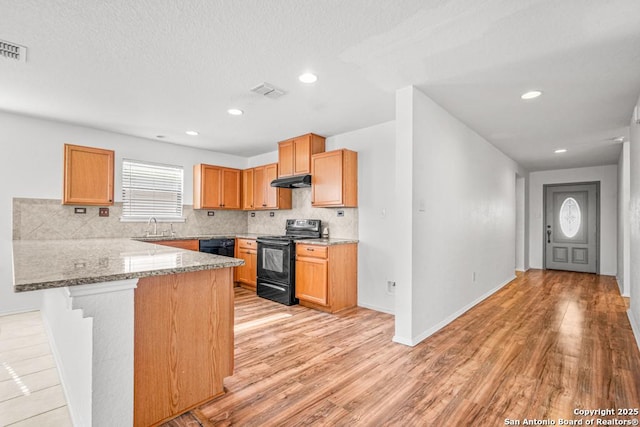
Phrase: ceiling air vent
[13,51]
[268,90]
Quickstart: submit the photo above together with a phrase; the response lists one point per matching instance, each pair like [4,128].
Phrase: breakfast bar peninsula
[141,332]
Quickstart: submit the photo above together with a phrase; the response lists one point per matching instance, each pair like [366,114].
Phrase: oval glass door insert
[570,217]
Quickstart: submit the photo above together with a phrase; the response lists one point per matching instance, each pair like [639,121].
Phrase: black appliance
[298,181]
[222,247]
[277,260]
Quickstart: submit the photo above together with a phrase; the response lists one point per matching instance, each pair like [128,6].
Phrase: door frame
[544,219]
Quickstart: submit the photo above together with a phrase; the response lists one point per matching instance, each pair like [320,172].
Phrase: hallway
[546,344]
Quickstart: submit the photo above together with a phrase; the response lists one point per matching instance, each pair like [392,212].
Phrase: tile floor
[30,390]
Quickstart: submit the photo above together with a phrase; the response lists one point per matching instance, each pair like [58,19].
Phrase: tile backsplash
[345,227]
[48,219]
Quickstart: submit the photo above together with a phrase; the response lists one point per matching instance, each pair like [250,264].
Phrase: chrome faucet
[155,226]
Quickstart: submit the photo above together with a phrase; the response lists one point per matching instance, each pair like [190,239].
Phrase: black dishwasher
[224,247]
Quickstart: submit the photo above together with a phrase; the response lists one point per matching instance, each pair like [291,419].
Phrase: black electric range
[276,260]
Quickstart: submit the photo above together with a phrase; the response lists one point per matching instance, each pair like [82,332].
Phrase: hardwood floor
[546,344]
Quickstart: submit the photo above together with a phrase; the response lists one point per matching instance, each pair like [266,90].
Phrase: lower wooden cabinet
[246,249]
[327,276]
[191,244]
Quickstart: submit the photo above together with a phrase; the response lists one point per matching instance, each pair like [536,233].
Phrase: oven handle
[273,287]
[274,243]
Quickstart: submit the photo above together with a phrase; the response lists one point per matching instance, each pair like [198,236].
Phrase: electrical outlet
[210,213]
[253,214]
[272,214]
[340,213]
[80,210]
[103,212]
[391,287]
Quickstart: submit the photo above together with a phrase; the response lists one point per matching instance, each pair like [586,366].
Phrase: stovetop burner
[297,229]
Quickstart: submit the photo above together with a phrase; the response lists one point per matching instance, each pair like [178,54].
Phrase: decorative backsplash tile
[48,219]
[345,227]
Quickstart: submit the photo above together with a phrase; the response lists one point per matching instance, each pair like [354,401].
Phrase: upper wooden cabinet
[216,187]
[247,189]
[88,176]
[335,179]
[264,195]
[294,155]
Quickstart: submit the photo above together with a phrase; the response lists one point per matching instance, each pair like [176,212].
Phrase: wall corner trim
[635,326]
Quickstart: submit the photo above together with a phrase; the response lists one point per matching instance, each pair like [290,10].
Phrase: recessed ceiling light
[531,94]
[560,150]
[235,112]
[308,78]
[192,133]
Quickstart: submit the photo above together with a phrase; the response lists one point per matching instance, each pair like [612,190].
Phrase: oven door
[275,261]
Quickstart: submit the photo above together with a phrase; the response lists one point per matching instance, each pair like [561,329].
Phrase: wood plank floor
[544,345]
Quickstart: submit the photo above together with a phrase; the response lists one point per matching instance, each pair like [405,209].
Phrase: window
[151,190]
[570,217]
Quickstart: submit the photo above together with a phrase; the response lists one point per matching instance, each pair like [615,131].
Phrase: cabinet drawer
[192,244]
[247,244]
[313,251]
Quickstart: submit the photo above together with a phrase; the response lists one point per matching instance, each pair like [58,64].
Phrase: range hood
[292,182]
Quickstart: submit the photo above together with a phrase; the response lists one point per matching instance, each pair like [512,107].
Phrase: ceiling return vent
[13,51]
[268,90]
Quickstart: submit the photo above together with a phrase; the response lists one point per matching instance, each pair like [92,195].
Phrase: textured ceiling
[159,67]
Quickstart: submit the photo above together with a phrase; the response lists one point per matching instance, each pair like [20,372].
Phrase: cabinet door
[230,188]
[302,155]
[311,280]
[190,244]
[247,189]
[247,273]
[259,200]
[286,158]
[271,193]
[326,188]
[88,176]
[210,190]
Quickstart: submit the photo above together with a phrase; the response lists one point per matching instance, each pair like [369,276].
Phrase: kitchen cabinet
[88,176]
[327,276]
[335,179]
[247,189]
[190,244]
[247,250]
[264,195]
[294,155]
[216,187]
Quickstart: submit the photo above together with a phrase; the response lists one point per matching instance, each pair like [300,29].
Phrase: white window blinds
[151,190]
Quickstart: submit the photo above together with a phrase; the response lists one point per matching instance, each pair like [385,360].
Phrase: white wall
[521,215]
[31,164]
[463,217]
[608,177]
[376,185]
[634,227]
[624,178]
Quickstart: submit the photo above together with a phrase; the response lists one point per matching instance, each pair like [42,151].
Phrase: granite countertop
[327,242]
[200,237]
[44,264]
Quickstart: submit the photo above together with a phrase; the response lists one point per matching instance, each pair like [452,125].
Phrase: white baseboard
[635,326]
[375,308]
[426,334]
